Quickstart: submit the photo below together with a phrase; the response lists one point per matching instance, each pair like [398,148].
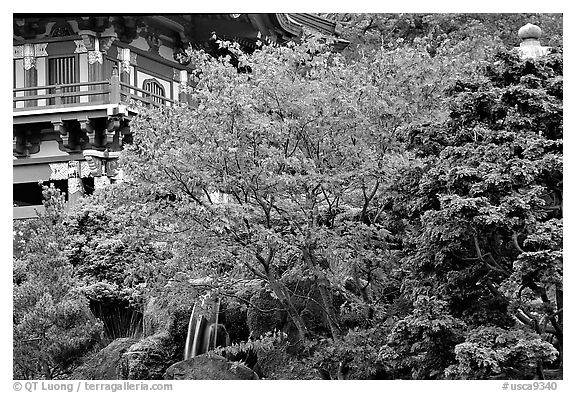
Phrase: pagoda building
[76,80]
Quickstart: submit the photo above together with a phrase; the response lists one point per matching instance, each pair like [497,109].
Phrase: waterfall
[204,330]
[190,336]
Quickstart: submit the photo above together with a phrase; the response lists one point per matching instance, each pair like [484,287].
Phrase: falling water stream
[203,329]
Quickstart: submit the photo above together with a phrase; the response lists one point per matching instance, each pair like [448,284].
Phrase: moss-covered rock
[209,366]
[276,363]
[265,314]
[150,357]
[108,363]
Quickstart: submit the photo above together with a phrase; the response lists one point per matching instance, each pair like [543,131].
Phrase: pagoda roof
[185,28]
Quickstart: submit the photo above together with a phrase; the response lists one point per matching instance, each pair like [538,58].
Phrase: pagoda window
[62,71]
[156,88]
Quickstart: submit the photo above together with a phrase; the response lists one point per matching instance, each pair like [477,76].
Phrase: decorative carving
[89,40]
[85,169]
[87,127]
[29,57]
[124,57]
[102,163]
[106,43]
[94,165]
[63,133]
[114,123]
[58,170]
[75,186]
[19,51]
[29,63]
[29,50]
[29,28]
[127,28]
[18,145]
[73,169]
[182,57]
[59,127]
[40,50]
[95,23]
[61,29]
[25,142]
[112,167]
[80,46]
[95,56]
[153,42]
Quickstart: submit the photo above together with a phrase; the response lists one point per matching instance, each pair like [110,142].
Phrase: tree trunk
[323,288]
[363,292]
[280,293]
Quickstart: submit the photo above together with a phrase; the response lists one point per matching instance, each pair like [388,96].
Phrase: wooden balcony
[81,95]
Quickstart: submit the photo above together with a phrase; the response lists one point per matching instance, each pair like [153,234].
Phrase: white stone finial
[530,31]
[530,47]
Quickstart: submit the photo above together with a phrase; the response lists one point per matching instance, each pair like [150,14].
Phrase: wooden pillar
[125,69]
[115,86]
[30,73]
[75,186]
[95,69]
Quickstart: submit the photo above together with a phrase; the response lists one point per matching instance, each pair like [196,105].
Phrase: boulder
[267,314]
[150,357]
[209,366]
[106,364]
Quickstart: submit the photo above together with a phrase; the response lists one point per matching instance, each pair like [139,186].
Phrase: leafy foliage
[490,352]
[52,324]
[400,203]
[485,210]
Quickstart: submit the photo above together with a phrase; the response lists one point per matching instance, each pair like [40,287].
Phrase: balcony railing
[84,93]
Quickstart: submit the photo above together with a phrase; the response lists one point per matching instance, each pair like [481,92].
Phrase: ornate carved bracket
[18,145]
[106,43]
[25,143]
[95,23]
[95,164]
[30,50]
[102,163]
[127,28]
[62,131]
[153,40]
[80,46]
[87,127]
[118,130]
[29,28]
[112,128]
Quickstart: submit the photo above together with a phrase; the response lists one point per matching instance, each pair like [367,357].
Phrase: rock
[148,358]
[106,364]
[156,317]
[235,320]
[160,316]
[208,366]
[273,318]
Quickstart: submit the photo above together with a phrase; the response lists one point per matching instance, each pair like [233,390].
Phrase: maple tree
[415,189]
